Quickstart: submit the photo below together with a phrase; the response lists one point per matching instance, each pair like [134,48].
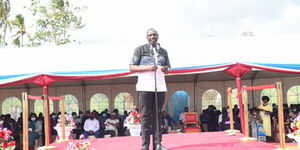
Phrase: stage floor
[187,141]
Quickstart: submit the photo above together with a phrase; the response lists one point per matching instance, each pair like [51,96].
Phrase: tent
[46,65]
[236,56]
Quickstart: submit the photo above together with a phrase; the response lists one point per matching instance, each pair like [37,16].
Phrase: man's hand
[165,69]
[152,68]
[91,132]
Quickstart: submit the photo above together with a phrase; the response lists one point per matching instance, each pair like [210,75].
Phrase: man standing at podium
[151,62]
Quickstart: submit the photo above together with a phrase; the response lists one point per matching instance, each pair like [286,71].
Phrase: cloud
[126,21]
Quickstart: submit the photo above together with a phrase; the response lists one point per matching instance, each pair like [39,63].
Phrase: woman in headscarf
[265,111]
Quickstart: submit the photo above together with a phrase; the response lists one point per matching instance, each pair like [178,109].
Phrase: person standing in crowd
[265,111]
[256,129]
[143,61]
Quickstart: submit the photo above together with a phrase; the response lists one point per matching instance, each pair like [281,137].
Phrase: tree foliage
[18,23]
[4,21]
[55,20]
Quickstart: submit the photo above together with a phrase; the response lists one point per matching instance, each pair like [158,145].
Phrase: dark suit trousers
[147,105]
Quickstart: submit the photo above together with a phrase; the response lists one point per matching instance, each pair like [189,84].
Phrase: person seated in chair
[168,122]
[181,116]
[2,125]
[91,127]
[78,123]
[112,125]
[35,129]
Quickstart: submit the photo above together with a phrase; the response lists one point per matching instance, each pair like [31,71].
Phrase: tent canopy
[46,65]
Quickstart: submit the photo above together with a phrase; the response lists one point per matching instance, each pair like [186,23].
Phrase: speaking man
[151,62]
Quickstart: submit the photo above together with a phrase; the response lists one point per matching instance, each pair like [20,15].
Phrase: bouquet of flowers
[134,117]
[69,122]
[85,145]
[69,126]
[6,140]
[295,125]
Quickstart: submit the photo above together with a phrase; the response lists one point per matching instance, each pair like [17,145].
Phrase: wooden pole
[46,116]
[246,113]
[246,118]
[229,100]
[25,121]
[62,109]
[239,95]
[280,115]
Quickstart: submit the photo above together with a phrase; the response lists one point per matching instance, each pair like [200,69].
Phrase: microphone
[157,47]
[151,50]
[155,51]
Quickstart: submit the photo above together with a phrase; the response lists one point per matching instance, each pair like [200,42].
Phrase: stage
[187,141]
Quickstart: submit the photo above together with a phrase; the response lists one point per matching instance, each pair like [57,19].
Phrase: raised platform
[187,141]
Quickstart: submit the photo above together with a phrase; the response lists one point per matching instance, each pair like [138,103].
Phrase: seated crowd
[100,125]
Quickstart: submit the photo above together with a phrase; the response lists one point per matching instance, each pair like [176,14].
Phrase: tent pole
[239,95]
[46,115]
[25,121]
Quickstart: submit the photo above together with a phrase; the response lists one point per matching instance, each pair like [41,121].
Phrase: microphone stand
[156,105]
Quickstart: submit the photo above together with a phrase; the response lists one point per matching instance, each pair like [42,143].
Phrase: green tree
[55,21]
[18,23]
[4,21]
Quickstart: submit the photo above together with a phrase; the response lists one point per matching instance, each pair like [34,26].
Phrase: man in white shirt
[91,127]
[112,125]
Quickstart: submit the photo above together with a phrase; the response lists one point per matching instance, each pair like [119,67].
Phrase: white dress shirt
[146,81]
[91,125]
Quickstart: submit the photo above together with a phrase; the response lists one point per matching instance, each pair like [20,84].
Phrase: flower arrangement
[69,122]
[69,126]
[85,145]
[134,117]
[6,140]
[295,125]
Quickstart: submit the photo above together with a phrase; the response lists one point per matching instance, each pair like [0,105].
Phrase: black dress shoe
[145,148]
[160,147]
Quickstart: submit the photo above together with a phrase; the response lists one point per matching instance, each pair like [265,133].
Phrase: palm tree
[18,23]
[4,22]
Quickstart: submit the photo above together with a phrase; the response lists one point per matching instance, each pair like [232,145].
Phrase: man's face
[254,114]
[92,116]
[113,115]
[186,110]
[152,37]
